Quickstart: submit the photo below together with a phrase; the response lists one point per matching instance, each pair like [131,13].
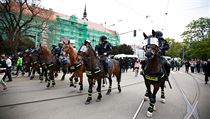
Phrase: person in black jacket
[3,67]
[103,50]
[207,71]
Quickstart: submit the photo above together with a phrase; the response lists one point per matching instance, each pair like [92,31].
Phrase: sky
[168,16]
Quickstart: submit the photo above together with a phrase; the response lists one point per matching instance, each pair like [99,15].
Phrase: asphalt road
[29,99]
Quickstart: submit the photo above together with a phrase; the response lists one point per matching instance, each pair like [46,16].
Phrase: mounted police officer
[85,45]
[103,50]
[57,52]
[163,44]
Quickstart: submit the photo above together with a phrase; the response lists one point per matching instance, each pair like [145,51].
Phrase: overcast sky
[128,15]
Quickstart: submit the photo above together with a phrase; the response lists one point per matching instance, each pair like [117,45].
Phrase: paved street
[29,99]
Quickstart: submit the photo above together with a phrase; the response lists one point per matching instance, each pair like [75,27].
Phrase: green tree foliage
[19,16]
[25,43]
[122,49]
[197,29]
[175,49]
[197,39]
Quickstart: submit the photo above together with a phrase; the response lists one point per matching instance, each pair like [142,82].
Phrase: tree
[197,29]
[19,16]
[122,49]
[175,48]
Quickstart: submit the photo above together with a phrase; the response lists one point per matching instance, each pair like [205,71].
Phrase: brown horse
[76,66]
[153,71]
[49,62]
[95,71]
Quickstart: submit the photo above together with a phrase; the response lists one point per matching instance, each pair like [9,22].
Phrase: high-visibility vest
[20,61]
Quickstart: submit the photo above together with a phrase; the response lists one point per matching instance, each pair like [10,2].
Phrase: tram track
[63,97]
[191,107]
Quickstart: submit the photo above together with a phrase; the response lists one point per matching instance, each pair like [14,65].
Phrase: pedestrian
[136,67]
[8,69]
[207,70]
[187,66]
[19,64]
[192,66]
[3,66]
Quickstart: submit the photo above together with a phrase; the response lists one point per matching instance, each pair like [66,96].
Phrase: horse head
[89,56]
[150,45]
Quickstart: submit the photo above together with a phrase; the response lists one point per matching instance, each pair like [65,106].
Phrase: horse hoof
[75,86]
[163,100]
[71,85]
[40,81]
[149,114]
[48,85]
[146,98]
[103,85]
[80,91]
[107,93]
[87,102]
[119,89]
[154,108]
[98,100]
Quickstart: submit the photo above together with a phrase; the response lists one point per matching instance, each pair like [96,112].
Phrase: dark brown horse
[153,71]
[76,66]
[95,71]
[49,62]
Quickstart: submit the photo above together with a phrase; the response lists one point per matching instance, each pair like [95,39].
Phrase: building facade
[63,27]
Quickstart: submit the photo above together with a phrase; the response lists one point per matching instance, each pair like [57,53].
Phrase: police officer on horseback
[84,46]
[163,44]
[57,52]
[103,50]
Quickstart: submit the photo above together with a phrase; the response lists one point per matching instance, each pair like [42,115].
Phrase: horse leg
[81,82]
[118,81]
[104,82]
[89,91]
[33,74]
[29,71]
[99,90]
[63,77]
[71,81]
[50,78]
[162,92]
[148,91]
[110,86]
[45,73]
[152,98]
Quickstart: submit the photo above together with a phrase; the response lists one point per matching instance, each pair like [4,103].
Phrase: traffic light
[134,33]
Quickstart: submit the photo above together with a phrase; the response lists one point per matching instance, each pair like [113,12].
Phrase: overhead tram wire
[166,13]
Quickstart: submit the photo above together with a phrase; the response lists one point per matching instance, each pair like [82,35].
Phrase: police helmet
[103,38]
[27,50]
[87,41]
[53,46]
[60,44]
[159,34]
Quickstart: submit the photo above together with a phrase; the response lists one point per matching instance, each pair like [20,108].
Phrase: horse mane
[73,54]
[45,50]
[93,51]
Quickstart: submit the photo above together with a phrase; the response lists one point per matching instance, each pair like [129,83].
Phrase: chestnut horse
[154,72]
[76,65]
[49,63]
[95,71]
